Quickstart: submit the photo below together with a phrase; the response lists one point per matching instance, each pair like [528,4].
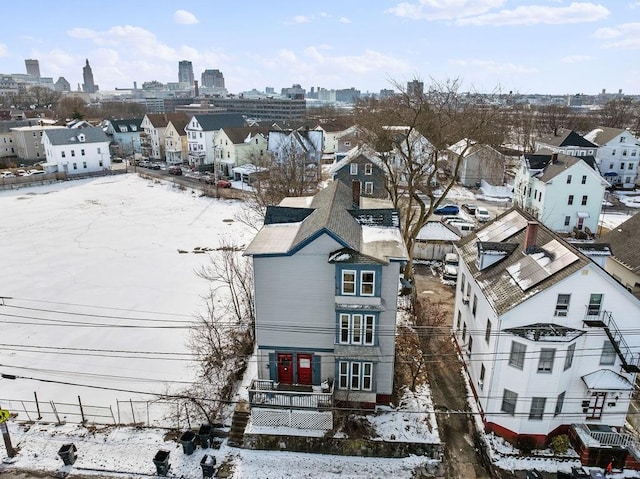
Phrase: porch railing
[268,394]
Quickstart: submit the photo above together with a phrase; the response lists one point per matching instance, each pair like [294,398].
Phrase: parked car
[450,269]
[35,172]
[447,209]
[175,170]
[223,184]
[7,174]
[208,179]
[449,218]
[482,214]
[154,166]
[469,208]
[465,227]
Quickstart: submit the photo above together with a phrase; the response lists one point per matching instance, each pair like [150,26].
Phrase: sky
[524,46]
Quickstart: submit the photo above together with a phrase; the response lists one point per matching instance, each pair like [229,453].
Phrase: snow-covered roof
[437,231]
[606,380]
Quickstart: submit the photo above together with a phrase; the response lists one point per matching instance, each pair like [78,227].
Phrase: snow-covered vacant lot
[100,295]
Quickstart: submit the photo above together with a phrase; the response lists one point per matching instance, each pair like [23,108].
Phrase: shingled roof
[625,243]
[603,134]
[238,135]
[218,121]
[70,136]
[161,120]
[372,232]
[499,281]
[565,137]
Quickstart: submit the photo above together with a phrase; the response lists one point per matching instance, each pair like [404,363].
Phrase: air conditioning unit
[465,300]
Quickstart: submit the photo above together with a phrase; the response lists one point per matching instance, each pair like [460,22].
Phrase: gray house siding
[376,178]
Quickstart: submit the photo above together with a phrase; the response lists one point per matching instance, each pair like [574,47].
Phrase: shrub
[560,444]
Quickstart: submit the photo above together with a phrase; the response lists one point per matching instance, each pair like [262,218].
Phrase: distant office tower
[212,78]
[88,86]
[415,89]
[62,85]
[185,72]
[33,68]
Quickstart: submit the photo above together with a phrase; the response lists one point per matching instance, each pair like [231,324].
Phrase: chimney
[530,236]
[355,193]
[196,90]
[554,158]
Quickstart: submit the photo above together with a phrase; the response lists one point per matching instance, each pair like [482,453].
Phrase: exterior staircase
[238,424]
[630,361]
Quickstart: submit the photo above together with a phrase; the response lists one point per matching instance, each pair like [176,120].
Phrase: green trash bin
[204,434]
[68,454]
[188,441]
[208,465]
[161,460]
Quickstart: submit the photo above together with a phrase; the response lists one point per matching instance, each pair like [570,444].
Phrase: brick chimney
[355,193]
[531,235]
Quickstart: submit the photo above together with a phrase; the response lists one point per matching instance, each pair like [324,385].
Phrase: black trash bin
[68,454]
[208,465]
[204,433]
[188,441]
[578,473]
[161,460]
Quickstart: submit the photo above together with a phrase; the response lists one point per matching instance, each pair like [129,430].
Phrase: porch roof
[606,380]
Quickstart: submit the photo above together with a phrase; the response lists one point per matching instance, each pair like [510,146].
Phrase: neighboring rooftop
[564,137]
[624,241]
[67,136]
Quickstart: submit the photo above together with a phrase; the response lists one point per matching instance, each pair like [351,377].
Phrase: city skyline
[543,46]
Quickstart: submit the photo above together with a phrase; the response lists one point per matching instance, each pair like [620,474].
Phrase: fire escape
[604,319]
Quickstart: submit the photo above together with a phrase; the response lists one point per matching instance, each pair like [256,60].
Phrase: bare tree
[410,359]
[410,133]
[619,113]
[71,107]
[223,336]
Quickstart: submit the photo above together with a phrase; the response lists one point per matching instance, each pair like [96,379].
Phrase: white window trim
[372,283]
[353,168]
[360,323]
[346,375]
[342,282]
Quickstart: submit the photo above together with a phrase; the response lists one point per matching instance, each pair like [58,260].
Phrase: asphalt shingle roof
[567,138]
[218,121]
[161,120]
[625,243]
[497,285]
[69,136]
[237,135]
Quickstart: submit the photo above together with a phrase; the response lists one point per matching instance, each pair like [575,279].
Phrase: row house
[624,262]
[326,272]
[240,146]
[76,151]
[152,140]
[617,156]
[176,146]
[125,136]
[543,332]
[202,131]
[563,192]
[8,140]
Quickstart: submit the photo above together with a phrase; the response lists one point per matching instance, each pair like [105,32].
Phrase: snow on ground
[630,199]
[94,265]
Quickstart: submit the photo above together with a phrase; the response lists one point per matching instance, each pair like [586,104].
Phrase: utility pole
[4,415]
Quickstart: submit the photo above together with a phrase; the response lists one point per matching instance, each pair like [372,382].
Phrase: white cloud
[576,59]
[185,18]
[344,20]
[635,4]
[3,50]
[625,36]
[492,66]
[576,12]
[298,19]
[443,9]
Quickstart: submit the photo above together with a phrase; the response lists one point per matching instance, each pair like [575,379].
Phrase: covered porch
[290,405]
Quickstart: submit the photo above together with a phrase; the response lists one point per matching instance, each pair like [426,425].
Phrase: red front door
[304,369]
[285,368]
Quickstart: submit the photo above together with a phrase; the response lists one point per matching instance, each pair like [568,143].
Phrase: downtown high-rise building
[87,75]
[33,67]
[185,72]
[212,79]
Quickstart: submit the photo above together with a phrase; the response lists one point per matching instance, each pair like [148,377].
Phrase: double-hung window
[353,168]
[516,357]
[562,305]
[595,302]
[509,401]
[368,168]
[348,282]
[367,283]
[355,375]
[608,354]
[357,329]
[545,363]
[537,408]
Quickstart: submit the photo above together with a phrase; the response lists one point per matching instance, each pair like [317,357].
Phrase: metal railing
[266,393]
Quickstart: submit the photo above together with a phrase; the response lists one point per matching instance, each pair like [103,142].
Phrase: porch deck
[267,393]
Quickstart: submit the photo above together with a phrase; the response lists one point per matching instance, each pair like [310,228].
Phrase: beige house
[154,125]
[624,263]
[239,146]
[28,141]
[175,141]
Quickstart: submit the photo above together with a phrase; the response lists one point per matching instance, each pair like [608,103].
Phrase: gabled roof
[238,135]
[564,137]
[372,233]
[179,124]
[438,231]
[519,275]
[552,164]
[334,125]
[625,243]
[218,121]
[71,136]
[127,123]
[161,120]
[353,154]
[603,134]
